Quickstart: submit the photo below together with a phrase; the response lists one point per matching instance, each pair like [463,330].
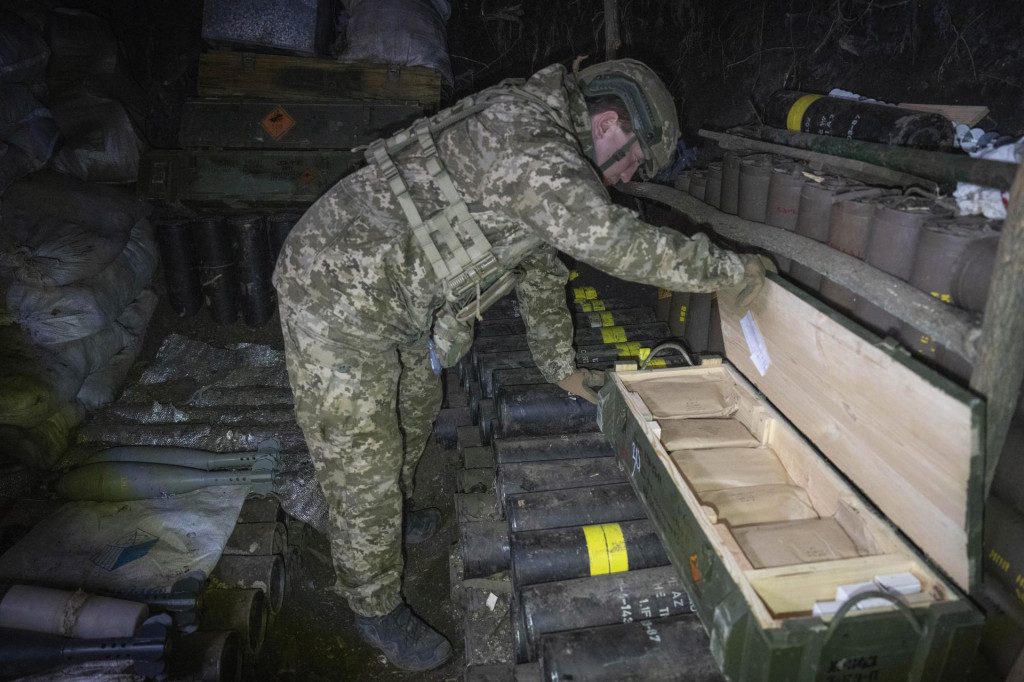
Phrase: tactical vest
[451,239]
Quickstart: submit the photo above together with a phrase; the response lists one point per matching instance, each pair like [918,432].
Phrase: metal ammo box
[816,458]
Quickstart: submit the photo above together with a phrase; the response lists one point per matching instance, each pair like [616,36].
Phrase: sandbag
[85,58]
[102,386]
[26,124]
[29,380]
[41,446]
[82,357]
[407,32]
[54,315]
[23,52]
[65,230]
[100,144]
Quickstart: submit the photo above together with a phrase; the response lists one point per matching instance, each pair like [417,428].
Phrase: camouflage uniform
[358,299]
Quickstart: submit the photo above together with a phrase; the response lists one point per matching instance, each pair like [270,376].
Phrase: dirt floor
[314,638]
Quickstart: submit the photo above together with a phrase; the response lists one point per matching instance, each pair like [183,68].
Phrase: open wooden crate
[754,490]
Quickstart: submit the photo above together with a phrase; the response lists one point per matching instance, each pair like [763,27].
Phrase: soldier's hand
[743,294]
[581,383]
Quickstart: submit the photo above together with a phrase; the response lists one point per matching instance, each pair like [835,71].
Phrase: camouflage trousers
[366,415]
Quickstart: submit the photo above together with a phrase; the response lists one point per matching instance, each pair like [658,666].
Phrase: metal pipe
[544,448]
[659,650]
[186,457]
[279,226]
[531,477]
[257,539]
[597,600]
[242,610]
[24,652]
[253,572]
[544,556]
[181,273]
[252,268]
[488,417]
[216,268]
[485,548]
[573,507]
[541,409]
[125,481]
[261,510]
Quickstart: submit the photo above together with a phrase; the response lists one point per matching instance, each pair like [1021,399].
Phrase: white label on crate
[755,344]
[902,583]
[844,592]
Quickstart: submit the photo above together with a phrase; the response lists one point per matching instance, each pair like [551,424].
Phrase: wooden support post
[612,41]
[1000,365]
[949,326]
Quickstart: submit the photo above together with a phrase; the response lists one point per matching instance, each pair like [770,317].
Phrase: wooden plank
[794,589]
[260,124]
[904,435]
[242,179]
[999,369]
[241,74]
[859,170]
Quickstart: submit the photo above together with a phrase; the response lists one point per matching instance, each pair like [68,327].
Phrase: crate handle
[854,600]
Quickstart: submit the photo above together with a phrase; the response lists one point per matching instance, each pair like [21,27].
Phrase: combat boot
[407,641]
[421,524]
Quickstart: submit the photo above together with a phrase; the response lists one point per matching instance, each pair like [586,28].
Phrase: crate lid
[910,439]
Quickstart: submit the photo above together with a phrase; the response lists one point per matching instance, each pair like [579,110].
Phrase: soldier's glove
[742,294]
[581,383]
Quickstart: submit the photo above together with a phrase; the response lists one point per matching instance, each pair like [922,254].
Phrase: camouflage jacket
[352,273]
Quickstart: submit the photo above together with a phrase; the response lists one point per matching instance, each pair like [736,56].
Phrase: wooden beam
[1000,365]
[951,327]
[937,166]
[612,40]
[858,170]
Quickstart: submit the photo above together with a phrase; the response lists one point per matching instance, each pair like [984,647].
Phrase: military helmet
[646,98]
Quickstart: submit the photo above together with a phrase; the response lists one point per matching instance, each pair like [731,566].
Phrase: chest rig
[456,248]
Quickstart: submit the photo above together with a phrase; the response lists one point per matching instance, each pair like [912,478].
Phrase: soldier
[389,268]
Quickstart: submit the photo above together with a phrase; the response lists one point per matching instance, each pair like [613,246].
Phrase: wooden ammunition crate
[258,124]
[242,179]
[248,74]
[843,461]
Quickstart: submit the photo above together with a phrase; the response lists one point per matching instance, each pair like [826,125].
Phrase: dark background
[720,59]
